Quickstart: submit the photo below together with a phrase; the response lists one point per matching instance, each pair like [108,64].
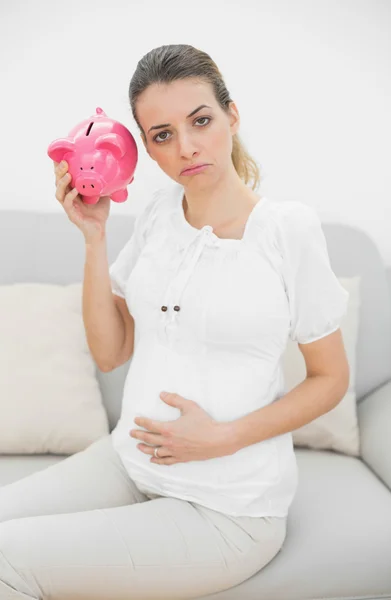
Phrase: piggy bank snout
[88,184]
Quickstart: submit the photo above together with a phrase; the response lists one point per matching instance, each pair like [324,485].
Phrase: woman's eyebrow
[193,112]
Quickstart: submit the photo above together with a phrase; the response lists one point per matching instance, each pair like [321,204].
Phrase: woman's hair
[181,61]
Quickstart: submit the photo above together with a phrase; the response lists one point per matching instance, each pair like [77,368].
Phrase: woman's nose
[187,146]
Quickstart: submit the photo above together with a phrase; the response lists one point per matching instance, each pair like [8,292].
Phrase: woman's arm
[326,384]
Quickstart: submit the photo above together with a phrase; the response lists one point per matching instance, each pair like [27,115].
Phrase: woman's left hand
[193,436]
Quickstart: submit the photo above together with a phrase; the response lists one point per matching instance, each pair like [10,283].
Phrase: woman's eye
[202,119]
[156,136]
[166,132]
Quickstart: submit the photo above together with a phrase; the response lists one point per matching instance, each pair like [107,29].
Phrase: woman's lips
[195,170]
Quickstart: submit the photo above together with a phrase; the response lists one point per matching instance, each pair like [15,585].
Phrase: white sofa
[338,544]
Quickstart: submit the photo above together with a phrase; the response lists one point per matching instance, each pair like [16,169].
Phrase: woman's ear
[234,118]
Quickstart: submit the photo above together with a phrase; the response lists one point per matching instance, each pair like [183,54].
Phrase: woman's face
[184,140]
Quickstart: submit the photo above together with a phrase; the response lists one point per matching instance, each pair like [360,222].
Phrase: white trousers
[82,530]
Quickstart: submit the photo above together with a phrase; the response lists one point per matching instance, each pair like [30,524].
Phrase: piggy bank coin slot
[89,128]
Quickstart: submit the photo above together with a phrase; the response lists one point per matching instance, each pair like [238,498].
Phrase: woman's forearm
[103,323]
[310,399]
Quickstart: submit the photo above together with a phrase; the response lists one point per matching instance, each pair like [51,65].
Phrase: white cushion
[50,399]
[337,429]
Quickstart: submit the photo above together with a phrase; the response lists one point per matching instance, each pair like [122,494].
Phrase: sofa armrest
[374,419]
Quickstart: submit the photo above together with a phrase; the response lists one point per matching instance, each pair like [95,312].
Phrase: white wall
[311,79]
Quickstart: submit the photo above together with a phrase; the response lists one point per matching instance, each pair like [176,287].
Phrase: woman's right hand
[89,218]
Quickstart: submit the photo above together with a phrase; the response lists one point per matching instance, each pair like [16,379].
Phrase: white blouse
[212,319]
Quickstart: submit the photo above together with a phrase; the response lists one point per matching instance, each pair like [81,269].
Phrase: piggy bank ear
[59,148]
[112,142]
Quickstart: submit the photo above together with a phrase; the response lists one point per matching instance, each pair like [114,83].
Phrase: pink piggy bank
[101,155]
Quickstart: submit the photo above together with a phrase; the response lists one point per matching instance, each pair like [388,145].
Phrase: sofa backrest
[48,248]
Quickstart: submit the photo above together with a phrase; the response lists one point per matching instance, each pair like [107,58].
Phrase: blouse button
[176,307]
[164,308]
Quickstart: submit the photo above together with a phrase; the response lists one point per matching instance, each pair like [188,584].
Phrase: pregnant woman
[189,494]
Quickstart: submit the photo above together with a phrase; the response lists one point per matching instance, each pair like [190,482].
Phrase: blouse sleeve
[123,265]
[317,300]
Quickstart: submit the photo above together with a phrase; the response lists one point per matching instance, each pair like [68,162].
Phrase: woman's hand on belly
[195,435]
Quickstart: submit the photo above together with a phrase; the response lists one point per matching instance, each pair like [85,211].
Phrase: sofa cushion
[16,466]
[50,398]
[338,543]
